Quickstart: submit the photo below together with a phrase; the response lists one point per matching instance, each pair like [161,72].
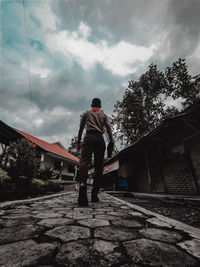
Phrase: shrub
[38,186]
[45,174]
[4,178]
[23,159]
[8,189]
[23,183]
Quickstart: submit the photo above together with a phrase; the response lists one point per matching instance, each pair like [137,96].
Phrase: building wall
[141,183]
[193,148]
[137,177]
[126,170]
[177,173]
[48,161]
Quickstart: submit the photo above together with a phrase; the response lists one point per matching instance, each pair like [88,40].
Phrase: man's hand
[110,148]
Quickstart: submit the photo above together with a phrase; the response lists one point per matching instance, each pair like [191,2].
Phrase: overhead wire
[28,64]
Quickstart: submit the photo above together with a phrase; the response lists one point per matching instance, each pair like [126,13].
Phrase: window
[57,165]
[71,168]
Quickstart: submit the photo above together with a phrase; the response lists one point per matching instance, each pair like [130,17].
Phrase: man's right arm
[109,130]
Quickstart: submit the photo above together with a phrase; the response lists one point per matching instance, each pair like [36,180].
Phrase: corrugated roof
[52,148]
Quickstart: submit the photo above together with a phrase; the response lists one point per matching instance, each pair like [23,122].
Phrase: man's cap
[96,102]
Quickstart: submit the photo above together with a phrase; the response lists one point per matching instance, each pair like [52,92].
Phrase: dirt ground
[186,213]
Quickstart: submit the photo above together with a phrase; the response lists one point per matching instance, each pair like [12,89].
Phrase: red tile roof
[52,148]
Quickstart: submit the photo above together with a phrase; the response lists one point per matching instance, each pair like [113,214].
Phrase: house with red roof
[53,156]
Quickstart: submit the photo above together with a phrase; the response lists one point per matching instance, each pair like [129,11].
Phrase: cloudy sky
[81,49]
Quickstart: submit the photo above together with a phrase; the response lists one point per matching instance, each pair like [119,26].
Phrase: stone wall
[193,148]
[178,175]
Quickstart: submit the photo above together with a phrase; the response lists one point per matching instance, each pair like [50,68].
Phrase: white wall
[49,162]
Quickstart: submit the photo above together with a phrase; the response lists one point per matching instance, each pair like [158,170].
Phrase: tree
[180,84]
[170,111]
[73,148]
[23,159]
[143,105]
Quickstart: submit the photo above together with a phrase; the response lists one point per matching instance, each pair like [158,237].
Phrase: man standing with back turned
[94,120]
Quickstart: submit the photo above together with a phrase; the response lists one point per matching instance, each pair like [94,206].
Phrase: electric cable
[28,64]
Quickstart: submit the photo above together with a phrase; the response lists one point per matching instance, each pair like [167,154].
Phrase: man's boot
[82,197]
[94,197]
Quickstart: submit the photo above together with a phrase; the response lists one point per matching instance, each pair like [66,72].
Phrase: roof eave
[61,158]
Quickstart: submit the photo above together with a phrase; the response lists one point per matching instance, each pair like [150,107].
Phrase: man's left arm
[81,128]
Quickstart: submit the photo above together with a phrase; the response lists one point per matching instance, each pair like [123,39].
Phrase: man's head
[96,103]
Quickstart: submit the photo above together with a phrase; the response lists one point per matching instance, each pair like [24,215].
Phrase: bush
[45,174]
[4,178]
[23,159]
[8,189]
[23,183]
[38,186]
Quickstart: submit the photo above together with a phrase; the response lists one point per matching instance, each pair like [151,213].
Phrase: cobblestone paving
[56,232]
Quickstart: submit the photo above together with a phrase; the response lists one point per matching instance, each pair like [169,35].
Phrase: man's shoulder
[85,113]
[100,113]
[104,113]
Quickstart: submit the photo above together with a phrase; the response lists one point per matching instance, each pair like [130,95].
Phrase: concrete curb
[14,203]
[179,198]
[192,231]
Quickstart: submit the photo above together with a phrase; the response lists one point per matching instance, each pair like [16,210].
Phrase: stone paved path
[55,232]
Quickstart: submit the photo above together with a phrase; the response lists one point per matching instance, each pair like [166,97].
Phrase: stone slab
[161,235]
[126,223]
[154,253]
[137,214]
[106,217]
[15,203]
[93,223]
[69,233]
[16,216]
[25,253]
[78,215]
[105,247]
[18,233]
[54,222]
[48,215]
[158,223]
[86,253]
[113,233]
[192,247]
[124,207]
[74,254]
[118,213]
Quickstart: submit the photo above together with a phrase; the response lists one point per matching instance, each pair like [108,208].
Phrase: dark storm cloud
[75,89]
[171,25]
[134,21]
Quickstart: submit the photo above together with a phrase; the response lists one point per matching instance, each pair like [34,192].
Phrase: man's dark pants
[93,144]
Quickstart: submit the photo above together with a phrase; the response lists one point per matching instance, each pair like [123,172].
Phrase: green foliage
[38,186]
[181,84]
[73,148]
[4,176]
[7,188]
[23,159]
[45,174]
[170,111]
[143,105]
[23,184]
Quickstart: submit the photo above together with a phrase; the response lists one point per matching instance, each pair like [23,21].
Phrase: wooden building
[166,160]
